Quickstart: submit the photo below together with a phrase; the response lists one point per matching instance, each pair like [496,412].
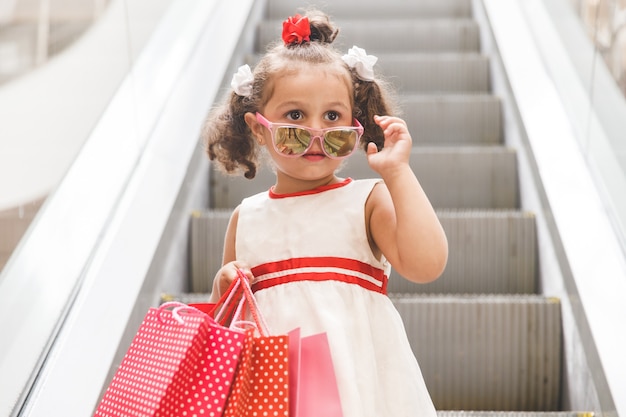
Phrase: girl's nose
[317,144]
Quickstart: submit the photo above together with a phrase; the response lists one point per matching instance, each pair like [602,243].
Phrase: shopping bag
[180,362]
[261,386]
[312,382]
[278,375]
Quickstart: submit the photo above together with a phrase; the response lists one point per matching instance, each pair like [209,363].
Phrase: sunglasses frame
[315,134]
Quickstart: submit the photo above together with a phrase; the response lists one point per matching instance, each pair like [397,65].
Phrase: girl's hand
[397,148]
[225,276]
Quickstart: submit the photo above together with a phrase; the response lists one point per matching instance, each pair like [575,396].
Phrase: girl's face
[314,97]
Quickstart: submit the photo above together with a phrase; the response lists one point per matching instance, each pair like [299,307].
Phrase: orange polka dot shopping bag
[181,362]
[261,386]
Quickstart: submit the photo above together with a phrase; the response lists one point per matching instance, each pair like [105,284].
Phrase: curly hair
[228,138]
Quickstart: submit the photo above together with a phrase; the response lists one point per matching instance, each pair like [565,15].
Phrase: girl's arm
[228,272]
[402,222]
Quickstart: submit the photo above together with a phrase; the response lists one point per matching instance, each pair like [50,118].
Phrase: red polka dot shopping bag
[180,363]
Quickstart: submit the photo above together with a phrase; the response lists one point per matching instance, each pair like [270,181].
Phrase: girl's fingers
[381,121]
[386,120]
[248,274]
[371,148]
[237,265]
[391,125]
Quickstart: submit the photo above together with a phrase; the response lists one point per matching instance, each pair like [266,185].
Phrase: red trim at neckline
[316,190]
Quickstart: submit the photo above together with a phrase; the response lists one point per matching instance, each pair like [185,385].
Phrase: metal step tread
[450,97]
[490,252]
[411,298]
[207,231]
[389,35]
[453,119]
[486,352]
[459,99]
[444,57]
[470,413]
[473,299]
[374,22]
[450,57]
[466,72]
[460,177]
[390,8]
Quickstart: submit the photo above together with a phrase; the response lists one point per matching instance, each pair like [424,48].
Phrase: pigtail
[228,138]
[368,102]
[372,98]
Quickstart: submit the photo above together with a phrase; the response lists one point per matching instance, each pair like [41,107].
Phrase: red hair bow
[296,29]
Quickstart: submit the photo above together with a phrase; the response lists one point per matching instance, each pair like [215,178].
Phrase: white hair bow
[242,81]
[361,62]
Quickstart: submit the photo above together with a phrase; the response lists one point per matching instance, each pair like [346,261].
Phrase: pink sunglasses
[294,140]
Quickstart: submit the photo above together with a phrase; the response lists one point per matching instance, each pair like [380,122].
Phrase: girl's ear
[257,128]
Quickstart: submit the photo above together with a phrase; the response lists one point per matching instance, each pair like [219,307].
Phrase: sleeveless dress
[315,270]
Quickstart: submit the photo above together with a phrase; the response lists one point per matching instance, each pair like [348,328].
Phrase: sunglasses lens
[340,142]
[291,140]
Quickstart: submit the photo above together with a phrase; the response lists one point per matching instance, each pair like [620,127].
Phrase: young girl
[317,248]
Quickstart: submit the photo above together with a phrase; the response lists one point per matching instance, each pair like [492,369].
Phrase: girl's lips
[314,157]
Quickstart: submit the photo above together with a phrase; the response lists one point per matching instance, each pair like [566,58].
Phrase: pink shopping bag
[312,383]
[181,362]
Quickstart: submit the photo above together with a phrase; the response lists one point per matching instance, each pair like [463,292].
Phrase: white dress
[316,271]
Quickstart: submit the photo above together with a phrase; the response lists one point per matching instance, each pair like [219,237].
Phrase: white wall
[46,115]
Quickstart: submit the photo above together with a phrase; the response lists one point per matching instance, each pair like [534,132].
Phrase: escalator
[484,335]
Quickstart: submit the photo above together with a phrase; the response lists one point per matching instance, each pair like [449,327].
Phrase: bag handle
[227,304]
[249,300]
[178,307]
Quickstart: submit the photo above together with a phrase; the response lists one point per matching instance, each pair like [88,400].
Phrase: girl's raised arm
[402,223]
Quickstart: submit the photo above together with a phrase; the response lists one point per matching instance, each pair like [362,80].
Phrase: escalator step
[486,352]
[436,72]
[391,8]
[207,230]
[468,177]
[452,413]
[451,119]
[393,35]
[490,252]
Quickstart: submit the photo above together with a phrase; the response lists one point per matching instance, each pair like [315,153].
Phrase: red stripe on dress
[321,262]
